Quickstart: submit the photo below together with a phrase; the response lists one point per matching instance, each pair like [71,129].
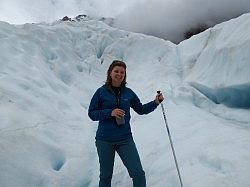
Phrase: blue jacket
[101,106]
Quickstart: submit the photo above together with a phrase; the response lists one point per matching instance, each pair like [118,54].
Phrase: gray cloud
[170,19]
[23,11]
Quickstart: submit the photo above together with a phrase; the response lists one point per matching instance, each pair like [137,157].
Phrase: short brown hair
[108,82]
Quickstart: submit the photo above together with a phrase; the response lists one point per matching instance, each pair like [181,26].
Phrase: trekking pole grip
[159,92]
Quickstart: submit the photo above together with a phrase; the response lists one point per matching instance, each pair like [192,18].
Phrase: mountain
[49,72]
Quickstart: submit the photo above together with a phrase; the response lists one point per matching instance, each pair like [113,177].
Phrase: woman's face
[117,75]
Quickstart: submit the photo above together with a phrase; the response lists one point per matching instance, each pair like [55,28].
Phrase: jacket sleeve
[140,108]
[95,112]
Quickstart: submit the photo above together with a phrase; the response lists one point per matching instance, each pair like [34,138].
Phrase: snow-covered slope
[219,66]
[48,73]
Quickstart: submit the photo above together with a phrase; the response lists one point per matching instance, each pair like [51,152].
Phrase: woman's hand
[159,98]
[119,113]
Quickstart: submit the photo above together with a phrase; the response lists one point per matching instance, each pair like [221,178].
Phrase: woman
[110,105]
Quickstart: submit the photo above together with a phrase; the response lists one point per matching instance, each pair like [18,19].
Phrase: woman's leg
[130,158]
[106,154]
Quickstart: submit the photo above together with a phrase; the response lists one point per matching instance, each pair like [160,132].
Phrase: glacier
[49,71]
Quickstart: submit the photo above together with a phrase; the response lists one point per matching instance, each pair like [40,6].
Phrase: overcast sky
[168,19]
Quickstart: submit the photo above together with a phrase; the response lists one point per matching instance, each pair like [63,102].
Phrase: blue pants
[128,153]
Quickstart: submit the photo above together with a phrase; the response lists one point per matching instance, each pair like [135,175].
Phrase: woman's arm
[142,108]
[95,112]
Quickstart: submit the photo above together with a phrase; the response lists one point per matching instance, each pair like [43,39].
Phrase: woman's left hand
[159,98]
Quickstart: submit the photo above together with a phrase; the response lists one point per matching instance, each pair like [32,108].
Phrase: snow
[49,72]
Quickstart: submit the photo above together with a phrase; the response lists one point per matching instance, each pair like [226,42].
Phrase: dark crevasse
[237,96]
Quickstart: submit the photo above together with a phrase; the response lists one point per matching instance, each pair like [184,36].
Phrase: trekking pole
[170,139]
